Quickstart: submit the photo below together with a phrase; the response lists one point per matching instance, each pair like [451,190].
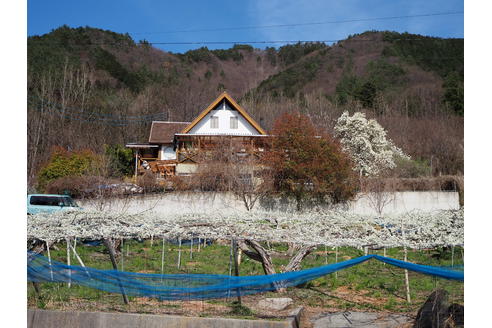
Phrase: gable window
[214,122]
[234,122]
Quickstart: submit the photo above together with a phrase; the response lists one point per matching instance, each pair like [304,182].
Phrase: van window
[52,201]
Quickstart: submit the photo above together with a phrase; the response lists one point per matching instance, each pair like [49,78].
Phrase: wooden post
[326,256]
[74,246]
[68,263]
[230,269]
[179,253]
[336,261]
[236,268]
[110,247]
[79,259]
[136,164]
[162,256]
[49,259]
[230,258]
[407,282]
[122,255]
[36,289]
[191,249]
[239,253]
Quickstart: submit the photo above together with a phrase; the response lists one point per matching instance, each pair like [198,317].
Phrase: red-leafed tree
[308,164]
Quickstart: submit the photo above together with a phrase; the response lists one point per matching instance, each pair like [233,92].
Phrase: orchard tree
[308,164]
[366,142]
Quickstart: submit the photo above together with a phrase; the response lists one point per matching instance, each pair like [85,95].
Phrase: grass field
[371,286]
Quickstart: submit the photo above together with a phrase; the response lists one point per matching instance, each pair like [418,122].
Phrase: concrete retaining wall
[398,202]
[51,319]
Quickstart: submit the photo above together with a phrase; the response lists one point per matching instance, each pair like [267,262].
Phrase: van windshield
[52,201]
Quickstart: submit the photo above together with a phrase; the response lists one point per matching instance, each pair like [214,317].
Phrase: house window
[214,122]
[234,122]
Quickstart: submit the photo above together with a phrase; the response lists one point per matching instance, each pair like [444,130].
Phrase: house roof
[163,132]
[233,104]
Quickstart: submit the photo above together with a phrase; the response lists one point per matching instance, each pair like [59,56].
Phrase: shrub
[63,163]
[148,182]
[78,186]
[121,160]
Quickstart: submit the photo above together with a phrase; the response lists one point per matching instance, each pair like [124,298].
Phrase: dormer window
[214,122]
[234,122]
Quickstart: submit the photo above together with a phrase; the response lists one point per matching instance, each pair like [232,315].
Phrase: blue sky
[153,20]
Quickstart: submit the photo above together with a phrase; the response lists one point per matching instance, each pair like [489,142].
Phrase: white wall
[224,113]
[224,203]
[407,201]
[167,152]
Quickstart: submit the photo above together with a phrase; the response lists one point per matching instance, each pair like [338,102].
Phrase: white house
[173,147]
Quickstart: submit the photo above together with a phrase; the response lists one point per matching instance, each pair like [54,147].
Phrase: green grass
[368,286]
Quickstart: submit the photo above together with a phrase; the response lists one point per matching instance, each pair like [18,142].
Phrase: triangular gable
[234,105]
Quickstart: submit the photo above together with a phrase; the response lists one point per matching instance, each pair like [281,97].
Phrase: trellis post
[405,252]
[236,268]
[68,263]
[49,259]
[407,282]
[122,255]
[162,255]
[179,252]
[191,249]
[326,255]
[336,260]
[110,247]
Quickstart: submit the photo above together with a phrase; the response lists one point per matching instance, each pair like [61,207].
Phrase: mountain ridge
[403,80]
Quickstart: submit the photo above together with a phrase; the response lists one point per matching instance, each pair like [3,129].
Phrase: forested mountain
[89,87]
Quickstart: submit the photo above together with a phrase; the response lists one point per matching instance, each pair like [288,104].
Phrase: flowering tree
[366,142]
[332,228]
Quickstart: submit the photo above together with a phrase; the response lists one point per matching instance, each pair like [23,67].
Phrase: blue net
[198,286]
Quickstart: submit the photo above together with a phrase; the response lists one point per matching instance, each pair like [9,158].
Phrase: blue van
[46,203]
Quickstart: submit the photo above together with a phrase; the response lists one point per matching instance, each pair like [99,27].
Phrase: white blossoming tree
[331,228]
[366,142]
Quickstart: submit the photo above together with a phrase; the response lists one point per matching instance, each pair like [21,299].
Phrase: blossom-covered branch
[332,228]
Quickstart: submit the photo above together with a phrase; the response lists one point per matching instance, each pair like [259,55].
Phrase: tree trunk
[262,256]
[295,262]
[109,243]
